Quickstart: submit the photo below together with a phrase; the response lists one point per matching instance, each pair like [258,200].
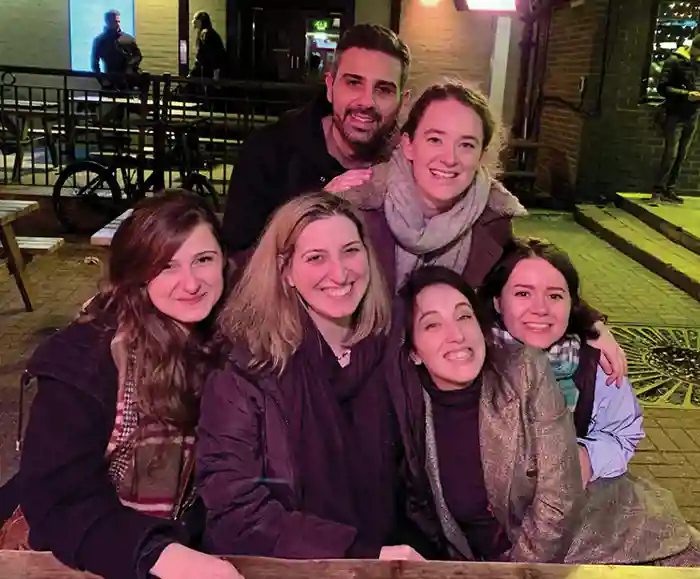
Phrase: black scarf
[342,434]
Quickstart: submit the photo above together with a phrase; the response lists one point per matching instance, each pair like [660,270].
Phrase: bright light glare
[492,5]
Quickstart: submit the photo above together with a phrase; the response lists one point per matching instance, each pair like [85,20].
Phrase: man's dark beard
[372,149]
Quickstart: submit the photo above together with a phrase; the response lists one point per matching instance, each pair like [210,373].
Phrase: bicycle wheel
[86,197]
[198,183]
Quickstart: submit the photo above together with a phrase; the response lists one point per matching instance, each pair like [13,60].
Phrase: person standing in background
[118,51]
[680,84]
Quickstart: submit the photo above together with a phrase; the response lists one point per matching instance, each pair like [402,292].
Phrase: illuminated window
[87,21]
[675,25]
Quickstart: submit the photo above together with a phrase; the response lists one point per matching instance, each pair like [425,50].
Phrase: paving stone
[660,439]
[680,487]
[682,439]
[646,444]
[641,470]
[673,470]
[675,458]
[648,457]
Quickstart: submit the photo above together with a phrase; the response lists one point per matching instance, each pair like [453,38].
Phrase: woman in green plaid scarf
[534,297]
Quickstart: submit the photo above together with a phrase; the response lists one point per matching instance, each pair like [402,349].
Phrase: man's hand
[348,180]
[694,96]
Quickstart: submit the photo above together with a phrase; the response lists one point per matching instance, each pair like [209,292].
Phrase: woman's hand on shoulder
[348,180]
[180,562]
[612,358]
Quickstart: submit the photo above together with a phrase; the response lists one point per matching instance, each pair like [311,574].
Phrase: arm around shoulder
[549,525]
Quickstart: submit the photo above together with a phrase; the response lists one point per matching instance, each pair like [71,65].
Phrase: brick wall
[445,42]
[373,11]
[618,147]
[571,52]
[622,147]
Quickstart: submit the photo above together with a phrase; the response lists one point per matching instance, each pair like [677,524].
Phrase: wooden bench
[38,565]
[12,247]
[104,236]
[37,245]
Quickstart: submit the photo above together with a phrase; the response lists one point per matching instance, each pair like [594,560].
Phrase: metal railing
[50,118]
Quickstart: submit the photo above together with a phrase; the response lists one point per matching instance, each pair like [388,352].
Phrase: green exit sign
[320,25]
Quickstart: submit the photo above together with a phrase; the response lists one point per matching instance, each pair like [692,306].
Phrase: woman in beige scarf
[435,202]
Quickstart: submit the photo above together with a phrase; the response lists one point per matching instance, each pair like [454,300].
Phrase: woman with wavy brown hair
[298,449]
[105,480]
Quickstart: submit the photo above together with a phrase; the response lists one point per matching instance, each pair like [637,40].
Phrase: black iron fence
[50,118]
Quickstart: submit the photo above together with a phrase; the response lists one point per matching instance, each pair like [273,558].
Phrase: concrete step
[679,223]
[653,250]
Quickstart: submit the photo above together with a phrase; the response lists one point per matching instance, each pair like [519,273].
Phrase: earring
[415,359]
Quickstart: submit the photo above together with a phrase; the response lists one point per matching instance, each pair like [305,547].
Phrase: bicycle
[98,184]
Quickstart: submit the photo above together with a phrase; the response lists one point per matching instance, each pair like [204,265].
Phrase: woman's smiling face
[445,152]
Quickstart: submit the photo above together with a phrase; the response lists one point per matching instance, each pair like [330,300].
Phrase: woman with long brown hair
[298,449]
[105,480]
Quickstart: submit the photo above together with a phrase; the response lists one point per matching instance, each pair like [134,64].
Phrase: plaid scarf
[150,463]
[563,357]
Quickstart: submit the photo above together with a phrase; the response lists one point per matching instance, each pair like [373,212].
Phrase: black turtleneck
[456,418]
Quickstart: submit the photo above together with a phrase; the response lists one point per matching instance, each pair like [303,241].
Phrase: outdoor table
[11,211]
[25,113]
[33,565]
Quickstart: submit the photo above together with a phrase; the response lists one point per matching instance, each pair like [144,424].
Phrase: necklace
[343,356]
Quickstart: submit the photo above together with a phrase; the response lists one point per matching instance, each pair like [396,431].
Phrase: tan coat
[532,476]
[529,456]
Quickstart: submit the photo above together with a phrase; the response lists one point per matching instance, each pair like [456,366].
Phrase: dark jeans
[674,147]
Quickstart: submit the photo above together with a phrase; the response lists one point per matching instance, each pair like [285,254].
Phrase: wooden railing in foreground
[31,565]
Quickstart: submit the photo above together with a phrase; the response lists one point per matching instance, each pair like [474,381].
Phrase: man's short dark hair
[111,15]
[378,38]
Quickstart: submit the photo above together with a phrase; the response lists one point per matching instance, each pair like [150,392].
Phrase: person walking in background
[212,59]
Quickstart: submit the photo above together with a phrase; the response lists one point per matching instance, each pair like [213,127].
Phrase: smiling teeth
[443,174]
[460,356]
[538,326]
[338,292]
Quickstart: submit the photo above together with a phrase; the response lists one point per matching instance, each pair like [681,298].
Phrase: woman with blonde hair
[298,451]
